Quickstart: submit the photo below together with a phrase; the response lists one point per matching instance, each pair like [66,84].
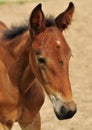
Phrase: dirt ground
[79,37]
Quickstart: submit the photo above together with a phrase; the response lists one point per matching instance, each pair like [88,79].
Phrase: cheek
[52,76]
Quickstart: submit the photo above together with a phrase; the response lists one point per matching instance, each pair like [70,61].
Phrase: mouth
[59,116]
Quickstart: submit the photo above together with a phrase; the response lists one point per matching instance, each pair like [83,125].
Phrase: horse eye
[61,62]
[41,61]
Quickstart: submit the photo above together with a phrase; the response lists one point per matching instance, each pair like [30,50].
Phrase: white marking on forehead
[58,42]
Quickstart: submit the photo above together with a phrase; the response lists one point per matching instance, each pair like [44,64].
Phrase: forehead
[52,39]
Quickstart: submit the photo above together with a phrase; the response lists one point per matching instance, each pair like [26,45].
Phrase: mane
[15,31]
[18,30]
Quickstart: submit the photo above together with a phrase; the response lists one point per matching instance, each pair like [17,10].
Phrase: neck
[20,71]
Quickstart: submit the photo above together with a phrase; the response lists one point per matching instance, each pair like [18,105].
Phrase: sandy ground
[79,37]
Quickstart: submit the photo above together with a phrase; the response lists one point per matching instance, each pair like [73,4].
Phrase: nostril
[67,112]
[63,110]
[70,113]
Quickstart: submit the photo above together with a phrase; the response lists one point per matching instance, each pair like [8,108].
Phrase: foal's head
[50,58]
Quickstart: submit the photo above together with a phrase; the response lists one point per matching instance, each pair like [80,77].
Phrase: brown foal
[33,57]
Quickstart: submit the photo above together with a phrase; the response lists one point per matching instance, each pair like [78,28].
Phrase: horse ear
[37,20]
[65,18]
